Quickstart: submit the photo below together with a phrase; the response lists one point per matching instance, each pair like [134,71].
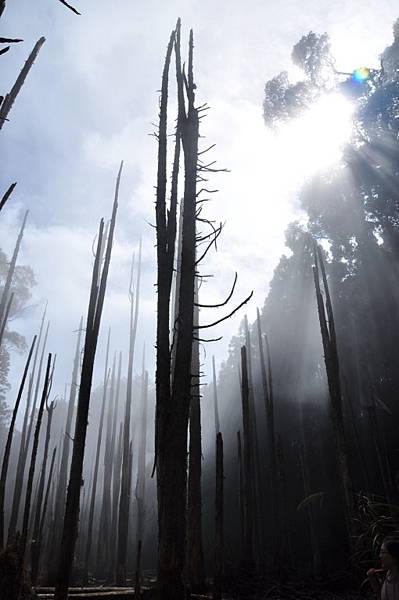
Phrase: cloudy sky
[91,100]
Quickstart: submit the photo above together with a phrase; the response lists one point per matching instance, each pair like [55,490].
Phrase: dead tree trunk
[241,491]
[7,194]
[10,274]
[23,454]
[115,503]
[141,475]
[327,328]
[173,391]
[257,482]
[248,465]
[89,535]
[215,399]
[7,450]
[173,377]
[96,302]
[25,524]
[44,511]
[195,555]
[285,545]
[108,458]
[124,496]
[6,315]
[116,451]
[219,545]
[36,526]
[313,533]
[9,99]
[63,469]
[268,397]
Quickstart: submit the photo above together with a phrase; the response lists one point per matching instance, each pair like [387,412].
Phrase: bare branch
[213,241]
[70,7]
[208,340]
[227,316]
[9,40]
[222,303]
[7,195]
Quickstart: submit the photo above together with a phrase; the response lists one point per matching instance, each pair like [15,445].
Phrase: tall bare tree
[328,335]
[96,302]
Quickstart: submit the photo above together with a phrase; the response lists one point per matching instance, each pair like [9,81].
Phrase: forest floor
[275,592]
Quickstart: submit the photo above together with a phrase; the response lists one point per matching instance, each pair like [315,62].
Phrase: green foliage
[312,55]
[376,520]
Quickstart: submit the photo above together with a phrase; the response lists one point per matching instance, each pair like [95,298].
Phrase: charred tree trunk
[63,469]
[257,481]
[44,511]
[75,479]
[313,529]
[115,503]
[285,545]
[218,576]
[173,388]
[7,450]
[268,397]
[36,526]
[124,496]
[96,465]
[241,491]
[25,524]
[248,466]
[25,441]
[195,555]
[141,476]
[327,328]
[105,516]
[215,399]
[9,99]
[7,194]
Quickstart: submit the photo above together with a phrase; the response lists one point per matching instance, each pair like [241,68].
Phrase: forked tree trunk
[96,302]
[327,328]
[173,388]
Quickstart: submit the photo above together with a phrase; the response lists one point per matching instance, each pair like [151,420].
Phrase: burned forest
[199,301]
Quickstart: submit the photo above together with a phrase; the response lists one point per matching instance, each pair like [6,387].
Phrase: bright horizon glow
[315,140]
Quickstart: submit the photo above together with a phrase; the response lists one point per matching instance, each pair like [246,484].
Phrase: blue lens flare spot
[361,75]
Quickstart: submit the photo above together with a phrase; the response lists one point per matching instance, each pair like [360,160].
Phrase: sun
[315,140]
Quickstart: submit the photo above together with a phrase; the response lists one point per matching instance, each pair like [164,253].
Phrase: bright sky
[89,102]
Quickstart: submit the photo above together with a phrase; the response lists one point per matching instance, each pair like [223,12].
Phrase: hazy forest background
[261,465]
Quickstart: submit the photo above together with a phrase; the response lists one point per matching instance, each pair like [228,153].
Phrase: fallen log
[112,595]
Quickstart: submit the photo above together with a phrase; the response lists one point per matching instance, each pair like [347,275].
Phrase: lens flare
[361,75]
